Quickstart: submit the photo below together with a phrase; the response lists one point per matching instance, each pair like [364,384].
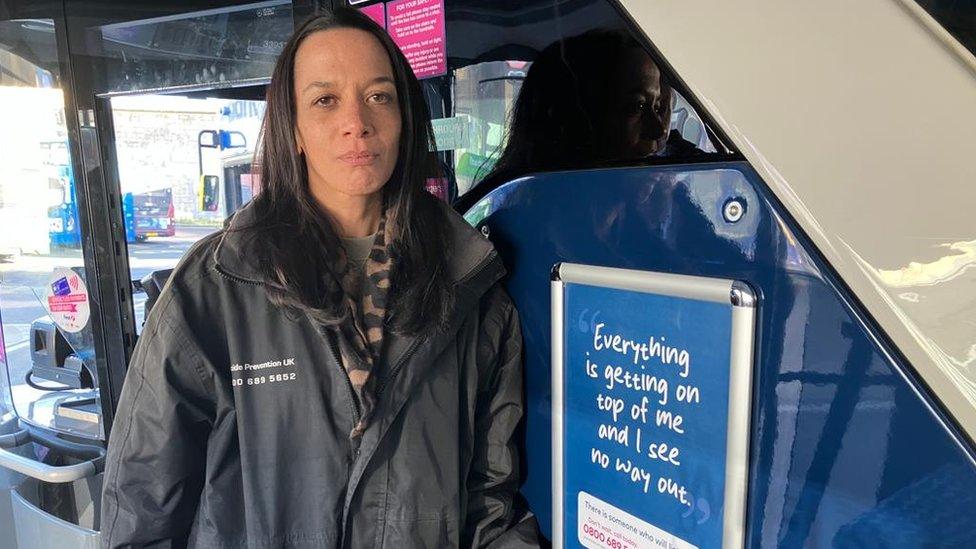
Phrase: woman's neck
[354,216]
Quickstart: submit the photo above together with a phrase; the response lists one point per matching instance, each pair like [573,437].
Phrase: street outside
[23,283]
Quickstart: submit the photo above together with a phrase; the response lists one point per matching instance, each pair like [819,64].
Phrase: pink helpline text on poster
[377,13]
[417,26]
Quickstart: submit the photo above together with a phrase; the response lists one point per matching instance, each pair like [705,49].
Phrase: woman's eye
[380,98]
[326,101]
[636,106]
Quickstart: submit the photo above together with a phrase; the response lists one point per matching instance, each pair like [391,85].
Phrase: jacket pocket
[428,531]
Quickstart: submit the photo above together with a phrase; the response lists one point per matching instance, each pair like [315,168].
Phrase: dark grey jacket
[232,429]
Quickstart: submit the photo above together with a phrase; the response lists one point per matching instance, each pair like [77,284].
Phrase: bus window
[47,352]
[170,192]
[585,65]
[179,98]
[484,94]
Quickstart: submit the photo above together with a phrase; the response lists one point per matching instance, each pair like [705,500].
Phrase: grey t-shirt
[357,250]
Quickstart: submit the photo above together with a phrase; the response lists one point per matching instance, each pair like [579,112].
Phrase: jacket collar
[234,252]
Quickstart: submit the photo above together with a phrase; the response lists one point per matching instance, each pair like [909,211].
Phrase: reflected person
[594,99]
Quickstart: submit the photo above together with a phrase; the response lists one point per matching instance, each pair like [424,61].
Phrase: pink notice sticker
[377,13]
[67,300]
[437,186]
[417,26]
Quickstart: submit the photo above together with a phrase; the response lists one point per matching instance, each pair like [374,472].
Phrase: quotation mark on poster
[587,322]
[705,510]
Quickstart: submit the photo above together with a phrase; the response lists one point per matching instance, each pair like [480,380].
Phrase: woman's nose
[355,121]
[652,124]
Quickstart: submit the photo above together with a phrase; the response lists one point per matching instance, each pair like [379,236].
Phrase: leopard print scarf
[360,335]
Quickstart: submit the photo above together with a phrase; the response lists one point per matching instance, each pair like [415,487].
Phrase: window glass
[184,165]
[484,94]
[685,120]
[956,16]
[542,85]
[555,85]
[46,345]
[591,99]
[218,47]
[185,95]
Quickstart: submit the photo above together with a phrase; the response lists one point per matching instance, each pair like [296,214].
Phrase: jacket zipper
[399,365]
[413,346]
[235,278]
[356,413]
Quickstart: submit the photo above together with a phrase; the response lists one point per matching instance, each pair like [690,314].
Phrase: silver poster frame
[736,294]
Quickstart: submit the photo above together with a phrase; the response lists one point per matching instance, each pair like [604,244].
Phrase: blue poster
[645,418]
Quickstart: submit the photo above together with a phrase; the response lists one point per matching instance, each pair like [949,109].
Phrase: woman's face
[347,118]
[640,109]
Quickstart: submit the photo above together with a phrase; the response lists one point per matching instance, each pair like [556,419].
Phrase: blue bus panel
[847,449]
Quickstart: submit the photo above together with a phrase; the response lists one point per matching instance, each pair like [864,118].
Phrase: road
[23,283]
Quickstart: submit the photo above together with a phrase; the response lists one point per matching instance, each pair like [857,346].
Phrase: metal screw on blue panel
[734,209]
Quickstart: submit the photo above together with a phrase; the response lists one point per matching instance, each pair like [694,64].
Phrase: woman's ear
[299,145]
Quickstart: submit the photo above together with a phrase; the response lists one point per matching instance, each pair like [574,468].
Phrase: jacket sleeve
[156,453]
[497,516]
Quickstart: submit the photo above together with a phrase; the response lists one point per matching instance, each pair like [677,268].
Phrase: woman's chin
[365,186]
[350,183]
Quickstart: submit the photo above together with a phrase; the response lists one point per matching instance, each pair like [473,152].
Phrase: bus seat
[153,284]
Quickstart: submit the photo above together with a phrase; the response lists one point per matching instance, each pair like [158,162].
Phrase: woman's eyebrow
[382,80]
[325,84]
[318,84]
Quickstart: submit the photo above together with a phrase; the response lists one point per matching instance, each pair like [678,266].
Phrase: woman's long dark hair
[561,103]
[293,238]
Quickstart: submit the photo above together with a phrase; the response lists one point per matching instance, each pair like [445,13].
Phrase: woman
[561,121]
[338,367]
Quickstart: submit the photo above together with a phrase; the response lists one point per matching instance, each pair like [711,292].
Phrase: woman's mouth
[359,158]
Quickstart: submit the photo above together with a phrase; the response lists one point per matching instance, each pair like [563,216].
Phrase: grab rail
[43,471]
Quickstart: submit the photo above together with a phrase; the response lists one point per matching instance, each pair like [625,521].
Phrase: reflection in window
[213,47]
[588,100]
